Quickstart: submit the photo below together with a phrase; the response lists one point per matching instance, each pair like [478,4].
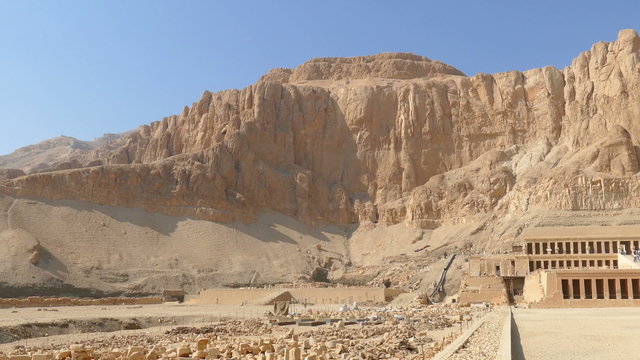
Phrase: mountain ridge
[467,162]
[359,135]
[47,154]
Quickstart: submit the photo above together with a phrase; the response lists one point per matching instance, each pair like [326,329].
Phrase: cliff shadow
[276,227]
[163,224]
[323,143]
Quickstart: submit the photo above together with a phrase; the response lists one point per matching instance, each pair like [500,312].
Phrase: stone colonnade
[600,288]
[548,247]
[561,263]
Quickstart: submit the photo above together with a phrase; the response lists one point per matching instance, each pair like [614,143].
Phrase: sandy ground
[196,313]
[114,249]
[605,333]
[175,314]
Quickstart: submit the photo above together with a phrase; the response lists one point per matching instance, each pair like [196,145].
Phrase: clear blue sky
[84,68]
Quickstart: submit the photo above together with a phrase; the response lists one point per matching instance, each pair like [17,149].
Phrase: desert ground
[101,331]
[399,332]
[595,333]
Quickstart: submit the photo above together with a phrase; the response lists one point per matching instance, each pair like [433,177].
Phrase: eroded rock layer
[390,137]
[383,139]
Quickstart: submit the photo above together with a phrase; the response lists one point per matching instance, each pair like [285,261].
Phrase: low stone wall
[336,295]
[36,301]
[505,348]
[483,289]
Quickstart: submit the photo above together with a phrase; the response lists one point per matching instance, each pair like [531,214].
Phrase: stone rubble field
[379,333]
[484,342]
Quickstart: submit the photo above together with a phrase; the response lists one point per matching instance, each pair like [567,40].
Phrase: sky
[85,68]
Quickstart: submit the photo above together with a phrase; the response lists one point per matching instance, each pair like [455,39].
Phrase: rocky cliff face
[386,138]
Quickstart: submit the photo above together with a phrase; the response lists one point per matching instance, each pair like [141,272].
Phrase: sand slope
[119,249]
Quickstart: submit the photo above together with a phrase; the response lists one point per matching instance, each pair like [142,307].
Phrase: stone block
[137,355]
[200,354]
[42,357]
[20,357]
[63,355]
[183,351]
[202,343]
[135,349]
[295,353]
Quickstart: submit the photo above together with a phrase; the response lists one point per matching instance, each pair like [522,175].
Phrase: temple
[581,266]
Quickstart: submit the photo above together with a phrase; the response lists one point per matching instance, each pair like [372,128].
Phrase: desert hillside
[53,154]
[346,165]
[71,247]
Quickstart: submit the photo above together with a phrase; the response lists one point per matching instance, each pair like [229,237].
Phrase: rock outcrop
[384,155]
[385,65]
[383,138]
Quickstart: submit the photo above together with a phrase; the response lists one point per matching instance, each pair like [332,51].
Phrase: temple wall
[580,288]
[227,296]
[533,290]
[483,289]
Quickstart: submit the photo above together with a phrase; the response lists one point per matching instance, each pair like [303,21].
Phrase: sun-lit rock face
[388,137]
[385,65]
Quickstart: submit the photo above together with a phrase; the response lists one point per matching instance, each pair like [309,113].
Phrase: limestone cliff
[385,138]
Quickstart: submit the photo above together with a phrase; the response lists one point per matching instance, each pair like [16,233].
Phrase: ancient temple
[581,266]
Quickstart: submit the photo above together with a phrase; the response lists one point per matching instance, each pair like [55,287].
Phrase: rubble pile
[232,328]
[378,333]
[484,343]
[402,272]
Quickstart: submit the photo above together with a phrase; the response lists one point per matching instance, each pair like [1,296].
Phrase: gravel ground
[484,343]
[392,331]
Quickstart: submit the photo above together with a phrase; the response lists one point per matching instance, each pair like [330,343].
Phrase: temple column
[630,288]
[605,285]
[570,282]
[618,289]
[611,249]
